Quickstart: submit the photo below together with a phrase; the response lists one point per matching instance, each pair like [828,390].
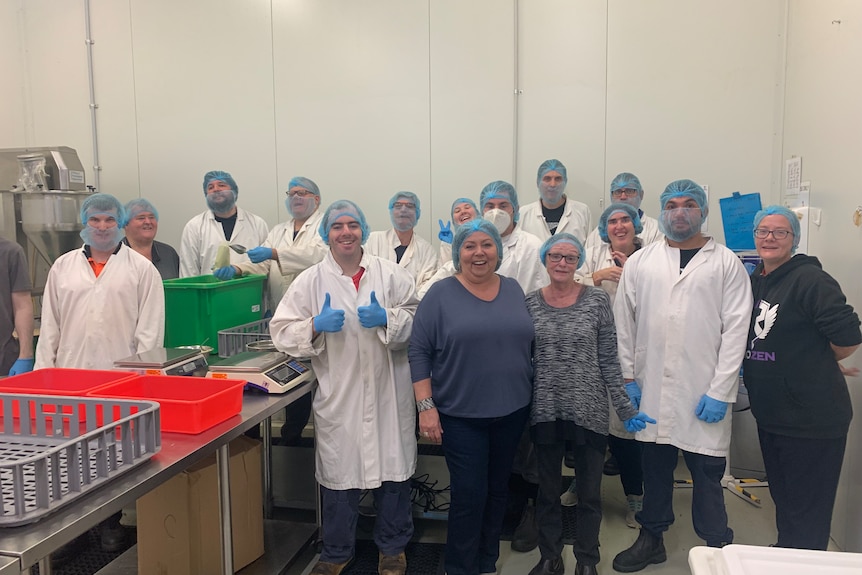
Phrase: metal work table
[9,566]
[31,543]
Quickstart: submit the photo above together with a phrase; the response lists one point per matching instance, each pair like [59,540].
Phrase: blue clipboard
[737,217]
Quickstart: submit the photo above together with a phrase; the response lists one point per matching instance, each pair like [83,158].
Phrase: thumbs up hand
[329,320]
[372,315]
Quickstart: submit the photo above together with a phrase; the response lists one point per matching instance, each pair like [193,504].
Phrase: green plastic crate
[196,308]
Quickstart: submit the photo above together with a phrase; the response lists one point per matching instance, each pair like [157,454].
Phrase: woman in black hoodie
[801,326]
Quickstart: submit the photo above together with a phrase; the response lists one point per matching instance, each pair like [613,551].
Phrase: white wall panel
[351,97]
[823,125]
[562,108]
[13,112]
[203,75]
[691,94]
[472,99]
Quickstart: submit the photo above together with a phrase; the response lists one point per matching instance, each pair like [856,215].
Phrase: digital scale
[164,361]
[272,371]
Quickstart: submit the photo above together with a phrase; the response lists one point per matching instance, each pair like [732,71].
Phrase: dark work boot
[586,570]
[549,567]
[646,550]
[526,536]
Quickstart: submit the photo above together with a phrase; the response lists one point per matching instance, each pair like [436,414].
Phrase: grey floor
[751,525]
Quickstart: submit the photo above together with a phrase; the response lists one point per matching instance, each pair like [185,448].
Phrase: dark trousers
[803,479]
[479,454]
[629,454]
[393,526]
[549,516]
[708,513]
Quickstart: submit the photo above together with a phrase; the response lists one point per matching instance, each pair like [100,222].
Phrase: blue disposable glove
[259,254]
[372,315]
[638,422]
[445,234]
[329,320]
[225,273]
[21,366]
[710,410]
[634,391]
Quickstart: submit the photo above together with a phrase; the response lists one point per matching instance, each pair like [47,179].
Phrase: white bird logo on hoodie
[765,320]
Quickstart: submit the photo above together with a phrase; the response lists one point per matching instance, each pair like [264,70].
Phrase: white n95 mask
[501,219]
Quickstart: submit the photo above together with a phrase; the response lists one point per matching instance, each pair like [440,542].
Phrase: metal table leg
[267,468]
[223,465]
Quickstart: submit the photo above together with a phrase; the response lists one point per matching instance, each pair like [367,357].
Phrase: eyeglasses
[403,206]
[627,192]
[762,234]
[299,193]
[569,259]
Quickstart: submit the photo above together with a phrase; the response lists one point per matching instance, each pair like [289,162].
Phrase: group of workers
[528,336]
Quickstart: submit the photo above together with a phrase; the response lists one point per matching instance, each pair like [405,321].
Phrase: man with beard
[682,311]
[401,244]
[223,221]
[554,211]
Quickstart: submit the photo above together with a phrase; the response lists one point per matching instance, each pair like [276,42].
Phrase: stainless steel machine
[41,192]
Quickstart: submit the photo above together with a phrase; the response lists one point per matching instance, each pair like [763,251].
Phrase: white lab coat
[651,233]
[203,235]
[89,322]
[576,220]
[682,335]
[294,255]
[520,262]
[419,258]
[364,411]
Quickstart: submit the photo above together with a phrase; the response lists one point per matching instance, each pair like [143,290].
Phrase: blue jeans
[479,454]
[708,513]
[393,526]
[803,480]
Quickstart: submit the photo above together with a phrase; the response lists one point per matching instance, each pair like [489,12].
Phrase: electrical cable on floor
[425,494]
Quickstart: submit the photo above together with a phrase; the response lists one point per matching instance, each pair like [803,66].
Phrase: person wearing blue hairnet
[682,310]
[290,247]
[576,381]
[141,233]
[471,365]
[463,210]
[102,303]
[223,222]
[352,314]
[626,189]
[16,310]
[402,244]
[801,327]
[555,211]
[619,228]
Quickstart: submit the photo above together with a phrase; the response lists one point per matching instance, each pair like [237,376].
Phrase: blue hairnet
[562,238]
[140,206]
[336,210]
[468,229]
[224,177]
[103,204]
[500,190]
[683,188]
[551,166]
[410,197]
[303,183]
[463,201]
[789,215]
[626,180]
[611,210]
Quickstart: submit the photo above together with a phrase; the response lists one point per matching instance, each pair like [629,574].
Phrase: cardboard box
[178,522]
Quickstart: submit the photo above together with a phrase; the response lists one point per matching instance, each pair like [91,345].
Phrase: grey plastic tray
[233,340]
[49,457]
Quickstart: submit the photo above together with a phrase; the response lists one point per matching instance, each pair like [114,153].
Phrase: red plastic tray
[188,404]
[61,381]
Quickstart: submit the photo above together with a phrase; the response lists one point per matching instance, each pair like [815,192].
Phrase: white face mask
[501,219]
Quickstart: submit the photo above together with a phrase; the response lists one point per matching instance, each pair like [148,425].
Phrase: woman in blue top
[470,360]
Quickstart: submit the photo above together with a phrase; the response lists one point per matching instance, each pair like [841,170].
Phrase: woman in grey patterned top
[576,369]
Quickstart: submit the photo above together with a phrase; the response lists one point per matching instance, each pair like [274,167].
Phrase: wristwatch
[424,404]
